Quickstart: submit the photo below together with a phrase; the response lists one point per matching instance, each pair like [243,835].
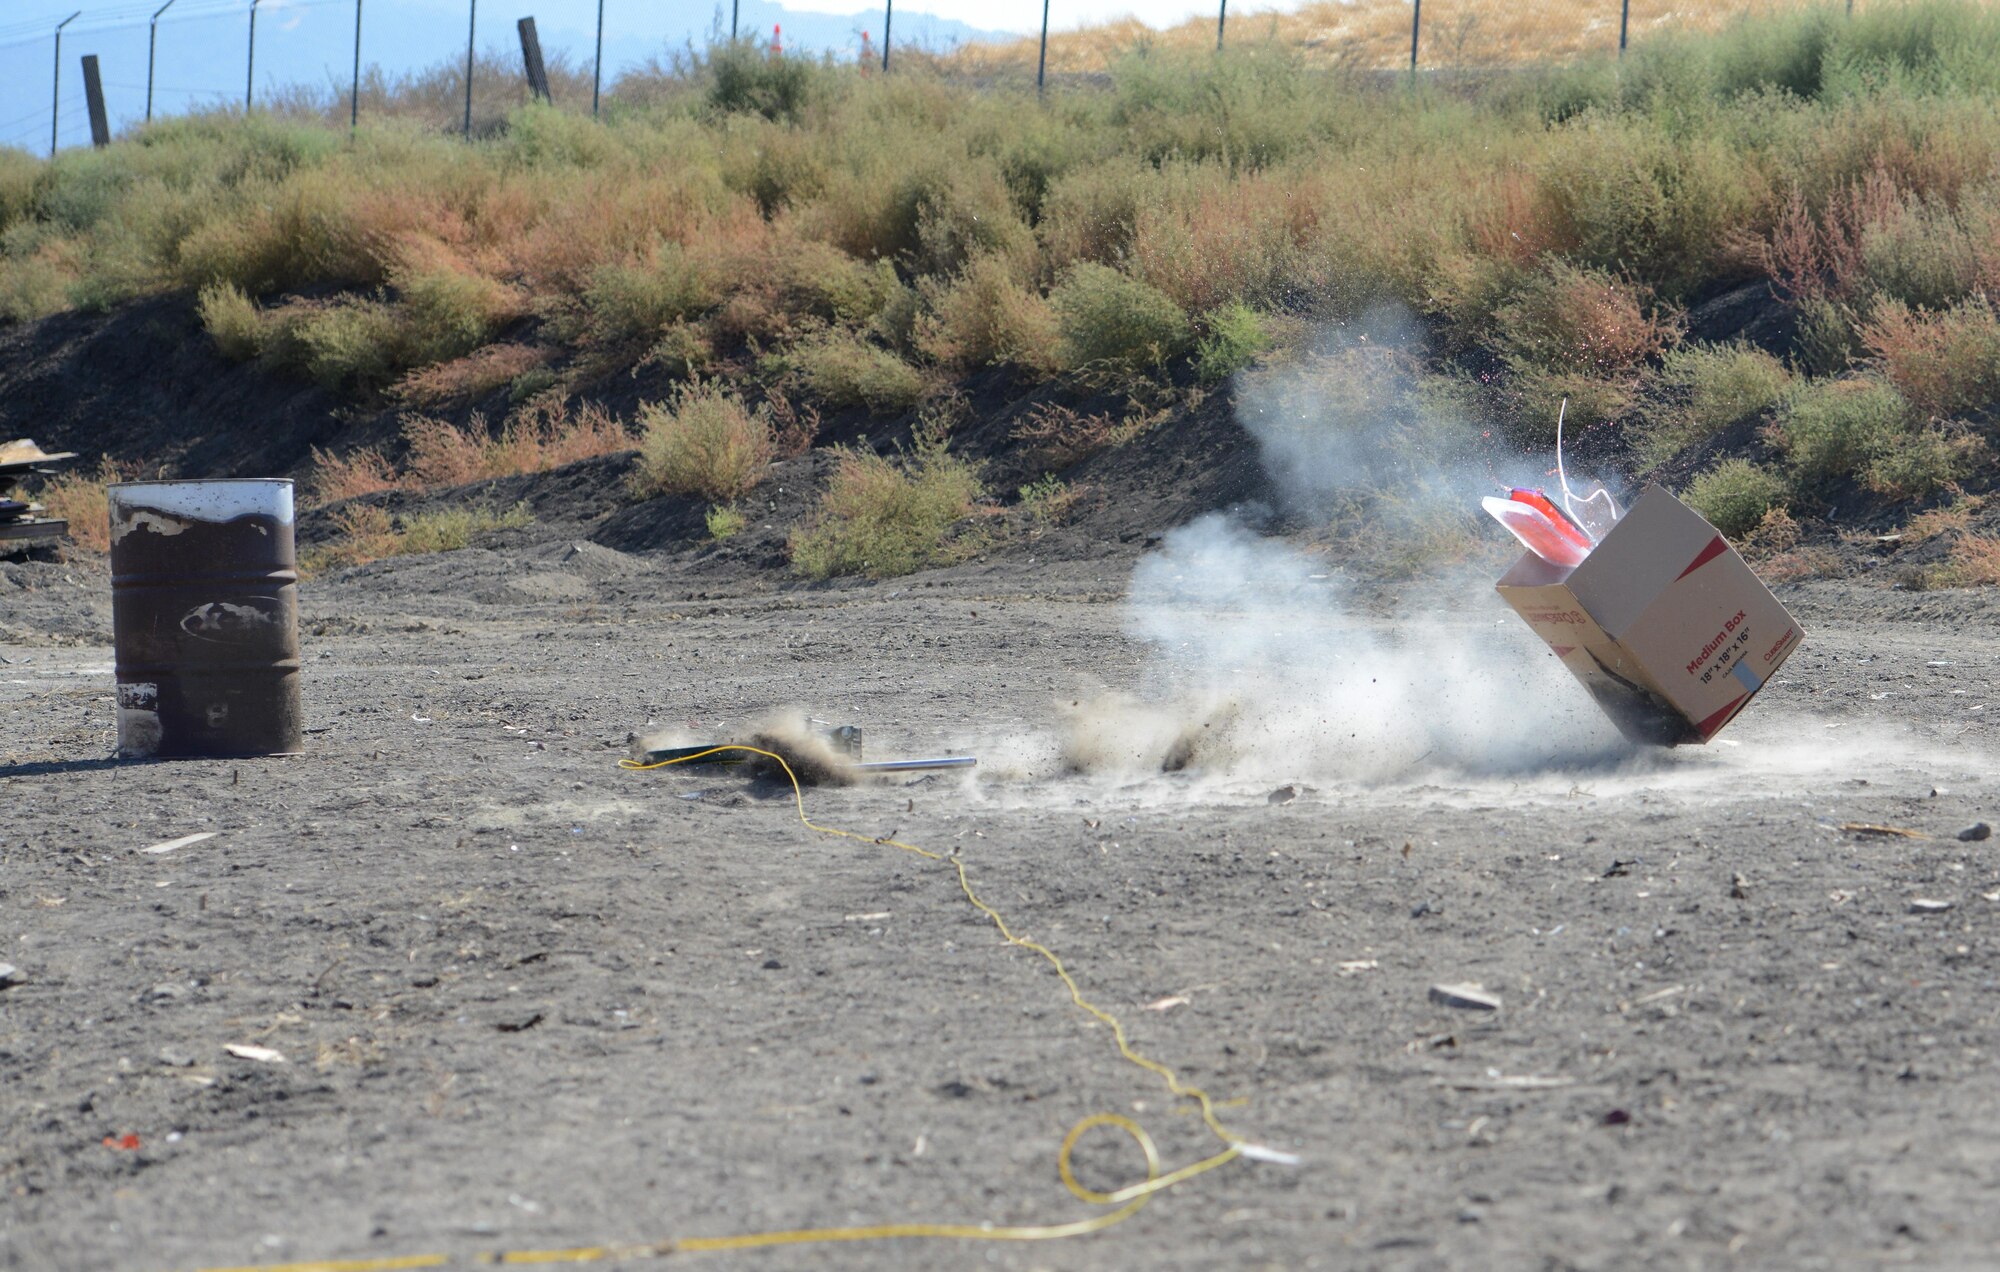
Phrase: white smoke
[1270,663]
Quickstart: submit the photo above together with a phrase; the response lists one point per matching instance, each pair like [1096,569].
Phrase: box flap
[1658,540]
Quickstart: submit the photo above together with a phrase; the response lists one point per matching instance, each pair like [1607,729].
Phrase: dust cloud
[1271,663]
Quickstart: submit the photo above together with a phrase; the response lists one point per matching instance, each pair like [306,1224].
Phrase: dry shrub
[232,321]
[1736,496]
[1975,561]
[473,376]
[1945,363]
[1952,518]
[362,471]
[1776,534]
[882,518]
[705,442]
[1924,461]
[793,427]
[1058,437]
[986,317]
[1224,240]
[1581,321]
[544,436]
[1108,317]
[842,369]
[1802,563]
[80,499]
[366,533]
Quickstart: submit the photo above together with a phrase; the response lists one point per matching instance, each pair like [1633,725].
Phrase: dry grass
[1954,518]
[1059,437]
[1376,34]
[546,434]
[472,376]
[80,499]
[363,471]
[367,533]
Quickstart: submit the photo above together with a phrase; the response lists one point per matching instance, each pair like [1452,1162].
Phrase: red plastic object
[1542,503]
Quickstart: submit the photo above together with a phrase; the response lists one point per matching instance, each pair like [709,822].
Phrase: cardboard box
[1663,622]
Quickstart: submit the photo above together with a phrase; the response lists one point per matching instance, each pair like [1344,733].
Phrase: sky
[201,51]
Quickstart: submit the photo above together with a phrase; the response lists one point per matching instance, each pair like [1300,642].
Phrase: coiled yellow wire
[1127,1200]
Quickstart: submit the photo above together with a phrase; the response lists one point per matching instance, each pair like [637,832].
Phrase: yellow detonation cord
[1127,1200]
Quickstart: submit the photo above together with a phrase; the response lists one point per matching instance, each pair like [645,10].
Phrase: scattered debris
[10,976]
[1619,869]
[1657,996]
[873,916]
[1869,828]
[1356,966]
[1925,905]
[1423,908]
[519,1026]
[1465,997]
[1258,1153]
[1167,1004]
[1739,888]
[250,1051]
[182,842]
[1616,1117]
[1283,795]
[123,1143]
[1507,1082]
[1976,832]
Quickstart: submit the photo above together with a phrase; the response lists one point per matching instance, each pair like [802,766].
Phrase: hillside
[948,317]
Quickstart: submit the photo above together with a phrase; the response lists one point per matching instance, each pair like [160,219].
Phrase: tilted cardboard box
[1663,622]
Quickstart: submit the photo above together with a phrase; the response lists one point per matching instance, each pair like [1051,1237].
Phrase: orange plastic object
[1542,503]
[1538,532]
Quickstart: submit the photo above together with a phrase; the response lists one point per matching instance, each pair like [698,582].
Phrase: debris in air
[21,524]
[1649,607]
[1465,997]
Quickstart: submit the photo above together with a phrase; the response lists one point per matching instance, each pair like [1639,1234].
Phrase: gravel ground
[527,1000]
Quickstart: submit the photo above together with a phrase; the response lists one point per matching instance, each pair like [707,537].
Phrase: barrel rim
[200,481]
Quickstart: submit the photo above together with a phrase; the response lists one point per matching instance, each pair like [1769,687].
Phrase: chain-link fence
[341,58]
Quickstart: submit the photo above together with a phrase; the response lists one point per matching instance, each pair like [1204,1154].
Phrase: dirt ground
[528,1000]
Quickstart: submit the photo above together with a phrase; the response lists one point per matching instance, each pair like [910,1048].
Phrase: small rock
[1975,832]
[10,976]
[773,965]
[1739,888]
[1424,908]
[1616,1117]
[1465,997]
[1923,905]
[175,1059]
[1283,795]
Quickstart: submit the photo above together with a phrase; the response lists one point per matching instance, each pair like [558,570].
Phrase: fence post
[1625,23]
[93,95]
[250,63]
[597,63]
[733,6]
[55,94]
[471,25]
[152,46]
[354,98]
[531,60]
[1221,20]
[1416,25]
[888,13]
[1042,62]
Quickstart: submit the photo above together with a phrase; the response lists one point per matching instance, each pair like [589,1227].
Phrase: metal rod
[1221,20]
[152,46]
[888,12]
[55,93]
[1042,63]
[733,6]
[914,766]
[354,97]
[1625,23]
[471,25]
[1416,25]
[250,64]
[597,64]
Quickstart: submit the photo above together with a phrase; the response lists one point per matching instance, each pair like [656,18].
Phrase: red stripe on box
[1708,727]
[1715,549]
[1563,651]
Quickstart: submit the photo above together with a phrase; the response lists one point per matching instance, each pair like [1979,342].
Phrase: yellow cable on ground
[1128,1199]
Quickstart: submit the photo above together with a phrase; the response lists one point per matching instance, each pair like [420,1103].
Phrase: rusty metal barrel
[205,618]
